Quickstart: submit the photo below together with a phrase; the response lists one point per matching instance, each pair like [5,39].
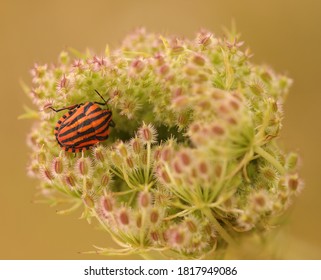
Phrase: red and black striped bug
[85,125]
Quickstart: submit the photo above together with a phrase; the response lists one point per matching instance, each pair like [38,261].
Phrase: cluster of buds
[193,161]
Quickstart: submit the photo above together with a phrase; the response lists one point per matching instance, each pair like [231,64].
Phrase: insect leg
[65,108]
[112,123]
[101,103]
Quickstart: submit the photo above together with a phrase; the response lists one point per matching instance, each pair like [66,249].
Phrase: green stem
[148,163]
[220,184]
[228,71]
[153,255]
[115,238]
[143,227]
[222,232]
[72,208]
[127,180]
[259,150]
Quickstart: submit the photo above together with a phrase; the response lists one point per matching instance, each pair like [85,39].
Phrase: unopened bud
[204,38]
[124,217]
[136,145]
[89,201]
[98,153]
[46,174]
[70,180]
[199,60]
[163,175]
[185,158]
[203,168]
[144,199]
[130,162]
[116,159]
[154,236]
[191,225]
[122,149]
[42,158]
[292,161]
[164,69]
[154,216]
[84,167]
[166,154]
[138,65]
[217,130]
[107,203]
[139,221]
[147,133]
[293,183]
[58,165]
[105,179]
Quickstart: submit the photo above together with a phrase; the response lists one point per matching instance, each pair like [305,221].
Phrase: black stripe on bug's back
[89,138]
[93,137]
[78,135]
[56,129]
[59,142]
[76,119]
[60,121]
[105,122]
[84,123]
[95,111]
[102,138]
[87,107]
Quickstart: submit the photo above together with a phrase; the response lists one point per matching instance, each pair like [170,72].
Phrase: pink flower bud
[199,60]
[46,174]
[166,153]
[147,133]
[139,221]
[185,157]
[154,216]
[70,180]
[144,199]
[107,203]
[84,167]
[122,149]
[164,69]
[58,166]
[154,236]
[105,179]
[217,130]
[89,201]
[123,217]
[204,38]
[98,153]
[138,65]
[191,225]
[136,145]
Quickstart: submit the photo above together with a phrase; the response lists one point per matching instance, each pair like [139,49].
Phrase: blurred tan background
[285,34]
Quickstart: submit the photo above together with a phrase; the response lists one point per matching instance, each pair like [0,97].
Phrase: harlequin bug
[85,125]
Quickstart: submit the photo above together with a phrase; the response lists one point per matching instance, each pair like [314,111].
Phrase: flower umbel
[193,162]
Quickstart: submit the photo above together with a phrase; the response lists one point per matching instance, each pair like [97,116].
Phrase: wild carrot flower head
[193,160]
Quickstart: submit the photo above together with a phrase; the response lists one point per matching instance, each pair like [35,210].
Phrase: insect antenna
[101,96]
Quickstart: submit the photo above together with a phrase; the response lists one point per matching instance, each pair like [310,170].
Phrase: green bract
[192,163]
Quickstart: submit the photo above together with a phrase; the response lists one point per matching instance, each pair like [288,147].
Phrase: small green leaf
[76,53]
[24,87]
[29,114]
